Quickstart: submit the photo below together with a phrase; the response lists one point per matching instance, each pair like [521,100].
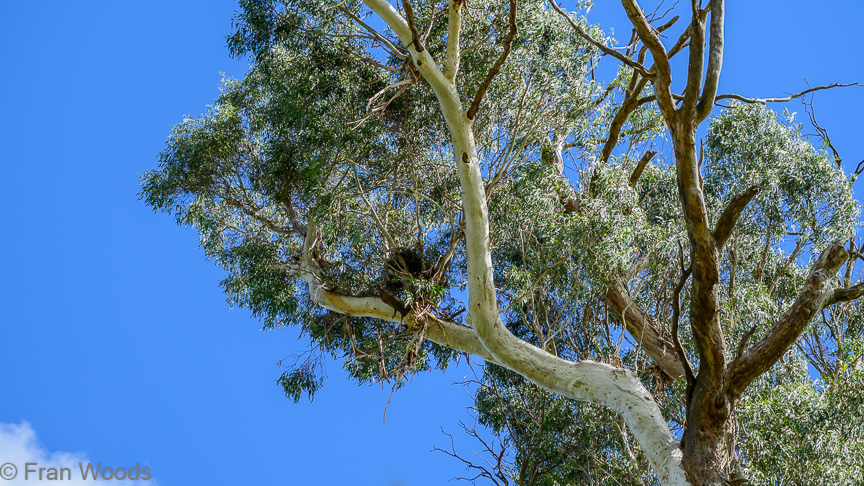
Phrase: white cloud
[19,446]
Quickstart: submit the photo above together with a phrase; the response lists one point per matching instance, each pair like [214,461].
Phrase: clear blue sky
[116,339]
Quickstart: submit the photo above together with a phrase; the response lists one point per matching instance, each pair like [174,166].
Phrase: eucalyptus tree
[415,182]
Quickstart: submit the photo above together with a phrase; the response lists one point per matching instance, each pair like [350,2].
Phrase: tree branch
[727,382]
[392,18]
[454,27]
[695,63]
[586,380]
[815,294]
[454,336]
[409,17]
[846,294]
[823,133]
[662,79]
[629,104]
[641,69]
[643,162]
[632,100]
[715,60]
[642,327]
[676,316]
[730,215]
[508,42]
[763,101]
[424,61]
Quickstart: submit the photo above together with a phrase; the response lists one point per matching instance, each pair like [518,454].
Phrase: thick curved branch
[640,167]
[598,383]
[730,215]
[508,42]
[846,294]
[817,293]
[642,327]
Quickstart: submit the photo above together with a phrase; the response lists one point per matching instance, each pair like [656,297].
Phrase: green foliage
[551,440]
[795,433]
[803,192]
[298,381]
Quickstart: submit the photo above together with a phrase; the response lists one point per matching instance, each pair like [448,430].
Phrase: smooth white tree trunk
[616,388]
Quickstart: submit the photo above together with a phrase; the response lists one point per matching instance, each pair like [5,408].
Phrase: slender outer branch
[676,317]
[639,67]
[409,16]
[632,101]
[791,97]
[496,67]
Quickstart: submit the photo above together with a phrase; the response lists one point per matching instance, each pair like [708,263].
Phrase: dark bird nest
[404,265]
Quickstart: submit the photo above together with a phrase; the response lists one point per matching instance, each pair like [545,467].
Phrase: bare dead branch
[668,24]
[823,133]
[763,101]
[631,100]
[859,169]
[627,107]
[682,42]
[662,79]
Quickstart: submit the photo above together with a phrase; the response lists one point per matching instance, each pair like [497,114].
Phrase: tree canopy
[410,183]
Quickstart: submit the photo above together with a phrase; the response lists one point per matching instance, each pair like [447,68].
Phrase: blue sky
[116,340]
